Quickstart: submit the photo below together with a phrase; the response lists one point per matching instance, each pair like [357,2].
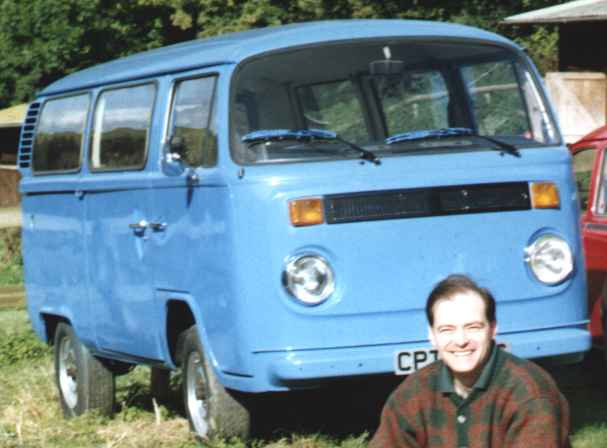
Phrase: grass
[30,415]
[11,265]
[343,417]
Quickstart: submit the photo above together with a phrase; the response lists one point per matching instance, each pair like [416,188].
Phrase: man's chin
[462,366]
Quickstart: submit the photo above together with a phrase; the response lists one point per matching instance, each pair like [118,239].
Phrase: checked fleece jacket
[513,404]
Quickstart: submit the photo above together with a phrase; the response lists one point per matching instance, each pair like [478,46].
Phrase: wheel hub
[196,395]
[68,373]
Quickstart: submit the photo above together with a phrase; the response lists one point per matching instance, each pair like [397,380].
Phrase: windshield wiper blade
[269,135]
[450,132]
[505,147]
[428,133]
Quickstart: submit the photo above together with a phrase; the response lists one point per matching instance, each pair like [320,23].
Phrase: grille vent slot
[426,202]
[26,140]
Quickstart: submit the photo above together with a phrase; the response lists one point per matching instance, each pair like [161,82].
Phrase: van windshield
[371,94]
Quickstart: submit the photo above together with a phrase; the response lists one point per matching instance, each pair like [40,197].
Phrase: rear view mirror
[386,67]
[387,73]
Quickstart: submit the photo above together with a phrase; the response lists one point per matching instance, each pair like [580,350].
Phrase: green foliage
[21,346]
[11,262]
[48,39]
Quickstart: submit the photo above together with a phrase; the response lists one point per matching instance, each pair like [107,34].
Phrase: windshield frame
[517,57]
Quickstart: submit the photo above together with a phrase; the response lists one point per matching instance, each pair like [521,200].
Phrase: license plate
[408,361]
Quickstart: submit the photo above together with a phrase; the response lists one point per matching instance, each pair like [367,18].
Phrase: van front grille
[426,202]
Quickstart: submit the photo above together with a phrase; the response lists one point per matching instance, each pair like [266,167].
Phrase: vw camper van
[269,209]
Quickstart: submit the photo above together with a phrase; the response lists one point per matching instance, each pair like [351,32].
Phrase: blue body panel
[227,239]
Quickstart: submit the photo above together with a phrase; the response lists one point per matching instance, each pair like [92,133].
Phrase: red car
[590,166]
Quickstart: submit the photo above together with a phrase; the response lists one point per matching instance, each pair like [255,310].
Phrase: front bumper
[295,369]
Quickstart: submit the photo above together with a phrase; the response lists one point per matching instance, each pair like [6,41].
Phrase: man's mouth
[462,353]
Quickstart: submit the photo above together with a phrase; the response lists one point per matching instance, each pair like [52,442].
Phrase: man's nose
[461,336]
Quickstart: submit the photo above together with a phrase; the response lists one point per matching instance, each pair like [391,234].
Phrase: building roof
[577,11]
[13,116]
[233,48]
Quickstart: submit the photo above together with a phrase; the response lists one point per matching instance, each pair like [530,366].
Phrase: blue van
[269,209]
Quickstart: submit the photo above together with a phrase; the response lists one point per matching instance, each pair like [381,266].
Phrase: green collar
[445,379]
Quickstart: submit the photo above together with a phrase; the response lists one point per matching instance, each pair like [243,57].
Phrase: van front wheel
[83,381]
[212,409]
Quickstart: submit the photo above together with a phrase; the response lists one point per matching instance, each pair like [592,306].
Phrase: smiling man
[476,395]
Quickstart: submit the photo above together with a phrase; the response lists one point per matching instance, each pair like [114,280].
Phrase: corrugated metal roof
[577,11]
[13,116]
[232,48]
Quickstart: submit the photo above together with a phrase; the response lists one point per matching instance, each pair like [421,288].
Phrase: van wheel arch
[179,319]
[50,324]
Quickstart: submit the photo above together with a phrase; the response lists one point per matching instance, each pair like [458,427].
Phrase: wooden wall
[9,187]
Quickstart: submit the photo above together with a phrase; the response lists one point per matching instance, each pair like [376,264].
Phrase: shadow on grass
[585,386]
[349,409]
[134,394]
[338,411]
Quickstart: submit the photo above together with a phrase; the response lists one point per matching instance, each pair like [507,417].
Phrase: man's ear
[431,336]
[493,329]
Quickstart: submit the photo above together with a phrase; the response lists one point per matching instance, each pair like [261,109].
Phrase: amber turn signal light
[545,195]
[306,212]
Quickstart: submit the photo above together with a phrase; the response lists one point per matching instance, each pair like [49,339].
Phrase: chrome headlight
[309,278]
[550,259]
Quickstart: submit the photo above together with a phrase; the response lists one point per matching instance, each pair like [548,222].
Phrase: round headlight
[550,259]
[309,278]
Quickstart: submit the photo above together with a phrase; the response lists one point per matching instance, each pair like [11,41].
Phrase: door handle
[158,226]
[139,226]
[143,224]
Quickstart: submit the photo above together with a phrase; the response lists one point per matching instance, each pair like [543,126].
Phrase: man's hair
[455,284]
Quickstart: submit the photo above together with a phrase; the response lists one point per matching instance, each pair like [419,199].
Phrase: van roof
[232,48]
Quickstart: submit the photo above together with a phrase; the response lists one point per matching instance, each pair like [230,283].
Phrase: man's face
[462,335]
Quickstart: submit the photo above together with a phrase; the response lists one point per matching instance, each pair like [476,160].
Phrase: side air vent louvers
[26,140]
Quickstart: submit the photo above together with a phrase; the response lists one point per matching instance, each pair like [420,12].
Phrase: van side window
[497,100]
[59,134]
[583,161]
[121,128]
[193,131]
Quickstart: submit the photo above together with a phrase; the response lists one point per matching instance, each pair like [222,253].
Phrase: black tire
[160,384]
[84,383]
[212,410]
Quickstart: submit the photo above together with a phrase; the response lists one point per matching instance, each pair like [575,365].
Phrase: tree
[48,39]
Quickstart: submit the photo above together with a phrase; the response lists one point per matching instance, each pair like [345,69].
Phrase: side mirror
[172,164]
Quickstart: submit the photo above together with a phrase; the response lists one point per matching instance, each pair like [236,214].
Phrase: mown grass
[11,263]
[30,415]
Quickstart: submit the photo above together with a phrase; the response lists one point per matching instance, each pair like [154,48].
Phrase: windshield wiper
[450,132]
[308,135]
